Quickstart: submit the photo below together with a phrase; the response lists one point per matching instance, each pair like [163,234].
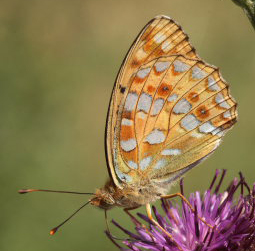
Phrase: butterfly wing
[160,89]
[186,124]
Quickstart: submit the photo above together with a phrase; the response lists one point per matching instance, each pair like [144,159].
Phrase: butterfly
[168,111]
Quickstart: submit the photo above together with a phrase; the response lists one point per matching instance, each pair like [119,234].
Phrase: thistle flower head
[230,212]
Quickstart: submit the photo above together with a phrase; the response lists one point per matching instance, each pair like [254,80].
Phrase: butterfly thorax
[127,197]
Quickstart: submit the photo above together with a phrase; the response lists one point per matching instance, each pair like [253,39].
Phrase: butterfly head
[103,199]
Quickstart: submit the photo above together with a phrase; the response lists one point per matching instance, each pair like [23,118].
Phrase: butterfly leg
[126,210]
[106,220]
[108,232]
[149,213]
[136,222]
[189,205]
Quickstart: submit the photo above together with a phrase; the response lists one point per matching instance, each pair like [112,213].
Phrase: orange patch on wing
[135,63]
[175,73]
[127,132]
[202,112]
[217,105]
[147,150]
[149,37]
[224,118]
[157,73]
[228,124]
[193,97]
[127,114]
[159,52]
[165,89]
[138,80]
[130,156]
[139,127]
[147,34]
[150,46]
[173,51]
[151,89]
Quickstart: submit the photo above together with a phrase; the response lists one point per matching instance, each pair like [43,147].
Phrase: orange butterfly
[169,110]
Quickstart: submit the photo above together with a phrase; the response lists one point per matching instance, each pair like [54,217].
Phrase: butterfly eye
[108,200]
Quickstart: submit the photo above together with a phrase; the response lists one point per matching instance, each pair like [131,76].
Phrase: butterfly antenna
[22,191]
[55,229]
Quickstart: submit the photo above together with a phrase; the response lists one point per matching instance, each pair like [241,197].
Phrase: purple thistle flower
[233,220]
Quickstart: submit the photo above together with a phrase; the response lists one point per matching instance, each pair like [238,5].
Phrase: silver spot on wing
[128,145]
[157,106]
[143,72]
[207,127]
[132,164]
[183,106]
[212,85]
[197,73]
[144,163]
[161,66]
[190,122]
[144,103]
[172,97]
[131,101]
[221,101]
[180,66]
[155,137]
[160,164]
[127,122]
[171,152]
[123,176]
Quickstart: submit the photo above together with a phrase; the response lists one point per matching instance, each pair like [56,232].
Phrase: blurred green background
[59,60]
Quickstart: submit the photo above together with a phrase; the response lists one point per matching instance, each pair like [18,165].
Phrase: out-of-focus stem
[249,9]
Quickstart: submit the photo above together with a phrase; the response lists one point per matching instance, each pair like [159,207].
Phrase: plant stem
[249,9]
